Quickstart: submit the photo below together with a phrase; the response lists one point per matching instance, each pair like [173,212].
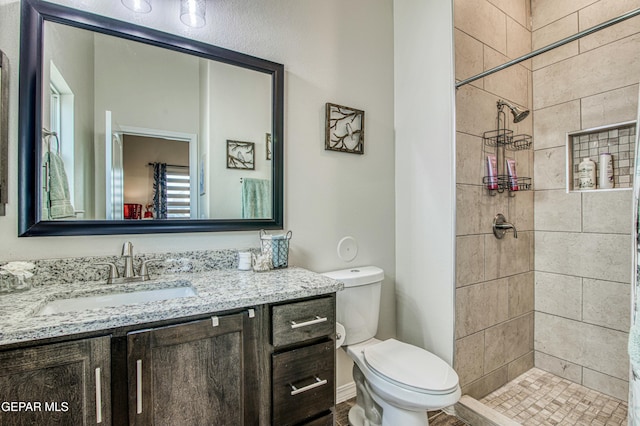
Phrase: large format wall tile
[520,210]
[607,304]
[557,210]
[615,106]
[518,41]
[550,168]
[475,110]
[602,11]
[508,256]
[552,124]
[607,212]
[469,57]
[470,160]
[521,365]
[551,33]
[558,295]
[613,386]
[492,31]
[599,256]
[475,209]
[469,358]
[469,259]
[487,383]
[594,347]
[521,294]
[588,73]
[559,367]
[507,342]
[544,12]
[480,306]
[516,9]
[509,84]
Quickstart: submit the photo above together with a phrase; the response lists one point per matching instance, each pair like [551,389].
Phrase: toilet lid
[411,366]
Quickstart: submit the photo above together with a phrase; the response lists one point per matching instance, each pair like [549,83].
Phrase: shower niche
[615,140]
[501,168]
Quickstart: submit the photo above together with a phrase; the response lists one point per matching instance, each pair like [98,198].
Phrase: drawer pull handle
[98,396]
[139,386]
[318,382]
[317,320]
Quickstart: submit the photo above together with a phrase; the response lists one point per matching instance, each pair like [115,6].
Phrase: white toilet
[396,382]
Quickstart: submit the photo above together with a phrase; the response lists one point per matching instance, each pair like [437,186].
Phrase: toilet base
[392,415]
[358,418]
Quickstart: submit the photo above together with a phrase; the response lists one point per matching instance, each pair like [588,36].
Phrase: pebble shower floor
[540,398]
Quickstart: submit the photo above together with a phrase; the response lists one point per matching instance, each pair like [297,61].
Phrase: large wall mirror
[124,129]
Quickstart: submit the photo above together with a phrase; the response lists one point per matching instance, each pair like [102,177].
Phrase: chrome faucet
[500,227]
[127,253]
[129,273]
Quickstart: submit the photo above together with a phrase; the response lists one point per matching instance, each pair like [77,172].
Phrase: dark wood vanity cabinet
[303,362]
[57,384]
[268,365]
[196,373]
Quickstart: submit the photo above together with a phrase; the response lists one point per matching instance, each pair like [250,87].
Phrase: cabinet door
[197,373]
[59,384]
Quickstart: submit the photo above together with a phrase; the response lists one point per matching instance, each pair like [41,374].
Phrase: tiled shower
[558,296]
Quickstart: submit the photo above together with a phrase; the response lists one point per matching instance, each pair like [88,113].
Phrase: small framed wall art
[344,130]
[240,155]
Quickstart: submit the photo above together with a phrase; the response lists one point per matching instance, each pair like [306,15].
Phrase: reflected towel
[59,196]
[256,199]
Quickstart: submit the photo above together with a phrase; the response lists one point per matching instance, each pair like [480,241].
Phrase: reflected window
[178,192]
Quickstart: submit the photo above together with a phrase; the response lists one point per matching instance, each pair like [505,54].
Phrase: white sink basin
[114,299]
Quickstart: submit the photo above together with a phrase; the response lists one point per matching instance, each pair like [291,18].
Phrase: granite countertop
[217,291]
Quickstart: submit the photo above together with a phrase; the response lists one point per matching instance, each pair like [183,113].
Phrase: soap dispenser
[587,174]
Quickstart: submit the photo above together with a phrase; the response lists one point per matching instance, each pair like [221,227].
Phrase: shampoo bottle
[605,170]
[587,174]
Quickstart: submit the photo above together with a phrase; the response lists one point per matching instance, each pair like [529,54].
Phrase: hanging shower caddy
[498,142]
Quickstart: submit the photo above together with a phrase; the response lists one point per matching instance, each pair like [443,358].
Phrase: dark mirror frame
[33,15]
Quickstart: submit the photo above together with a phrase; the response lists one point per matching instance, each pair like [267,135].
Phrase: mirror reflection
[134,131]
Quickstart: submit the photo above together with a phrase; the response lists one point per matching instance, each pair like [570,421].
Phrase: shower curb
[475,413]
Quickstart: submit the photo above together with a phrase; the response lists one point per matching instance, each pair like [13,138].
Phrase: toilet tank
[358,305]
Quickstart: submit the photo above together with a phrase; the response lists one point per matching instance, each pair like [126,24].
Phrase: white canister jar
[605,171]
[587,174]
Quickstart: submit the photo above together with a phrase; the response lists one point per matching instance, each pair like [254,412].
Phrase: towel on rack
[634,348]
[59,197]
[256,199]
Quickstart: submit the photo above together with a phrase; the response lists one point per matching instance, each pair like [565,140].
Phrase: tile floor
[540,398]
[436,418]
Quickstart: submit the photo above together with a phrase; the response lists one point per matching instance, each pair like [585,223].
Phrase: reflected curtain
[160,190]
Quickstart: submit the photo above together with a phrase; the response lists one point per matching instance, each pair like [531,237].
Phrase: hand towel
[256,199]
[59,196]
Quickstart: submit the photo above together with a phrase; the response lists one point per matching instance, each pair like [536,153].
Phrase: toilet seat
[411,367]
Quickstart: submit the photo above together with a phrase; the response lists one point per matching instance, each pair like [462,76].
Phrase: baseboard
[345,392]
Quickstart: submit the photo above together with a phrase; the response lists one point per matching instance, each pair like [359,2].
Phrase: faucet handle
[144,270]
[113,271]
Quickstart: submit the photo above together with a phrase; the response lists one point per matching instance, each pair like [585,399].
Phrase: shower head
[518,114]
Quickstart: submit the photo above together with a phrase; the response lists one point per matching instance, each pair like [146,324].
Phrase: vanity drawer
[300,321]
[303,383]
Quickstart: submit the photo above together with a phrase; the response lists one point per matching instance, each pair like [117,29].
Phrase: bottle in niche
[605,170]
[587,174]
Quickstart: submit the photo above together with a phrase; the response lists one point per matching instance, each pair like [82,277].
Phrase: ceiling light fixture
[141,6]
[192,13]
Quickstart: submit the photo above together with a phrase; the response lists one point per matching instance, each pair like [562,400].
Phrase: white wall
[239,110]
[333,51]
[425,173]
